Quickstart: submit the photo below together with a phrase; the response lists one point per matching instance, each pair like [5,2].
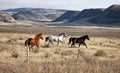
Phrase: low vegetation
[15,54]
[100,53]
[101,56]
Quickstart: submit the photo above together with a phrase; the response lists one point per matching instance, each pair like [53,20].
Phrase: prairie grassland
[101,56]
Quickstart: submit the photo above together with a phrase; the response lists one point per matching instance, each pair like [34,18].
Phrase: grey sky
[57,4]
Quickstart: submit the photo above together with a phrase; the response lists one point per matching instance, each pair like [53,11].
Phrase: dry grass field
[101,56]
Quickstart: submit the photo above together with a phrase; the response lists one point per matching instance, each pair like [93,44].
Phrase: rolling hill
[89,13]
[67,17]
[29,15]
[88,17]
[6,17]
[92,17]
[36,10]
[35,13]
[110,16]
[53,16]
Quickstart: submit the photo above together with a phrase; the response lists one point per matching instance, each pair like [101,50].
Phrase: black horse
[79,40]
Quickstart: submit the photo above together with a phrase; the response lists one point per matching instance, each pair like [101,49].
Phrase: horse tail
[26,42]
[46,39]
[70,40]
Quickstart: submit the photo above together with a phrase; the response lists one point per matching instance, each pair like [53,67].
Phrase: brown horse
[79,40]
[30,42]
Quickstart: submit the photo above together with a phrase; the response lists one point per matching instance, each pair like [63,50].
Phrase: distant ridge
[67,17]
[29,15]
[40,14]
[88,17]
[92,17]
[89,13]
[110,16]
[71,16]
[36,10]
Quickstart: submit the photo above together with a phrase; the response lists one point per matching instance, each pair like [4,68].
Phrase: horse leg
[52,43]
[72,44]
[31,48]
[61,42]
[38,46]
[79,45]
[58,42]
[84,44]
[48,43]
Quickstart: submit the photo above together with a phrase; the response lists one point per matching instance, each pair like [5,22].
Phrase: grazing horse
[79,40]
[30,42]
[57,39]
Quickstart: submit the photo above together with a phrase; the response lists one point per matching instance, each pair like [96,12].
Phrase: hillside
[87,17]
[36,10]
[92,17]
[29,15]
[67,17]
[6,17]
[89,13]
[110,16]
[71,16]
[53,16]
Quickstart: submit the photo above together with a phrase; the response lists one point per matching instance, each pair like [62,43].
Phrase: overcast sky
[58,4]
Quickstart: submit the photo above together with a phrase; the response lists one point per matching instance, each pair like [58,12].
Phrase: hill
[89,13]
[110,16]
[6,17]
[71,16]
[67,16]
[53,16]
[92,17]
[88,17]
[29,15]
[36,10]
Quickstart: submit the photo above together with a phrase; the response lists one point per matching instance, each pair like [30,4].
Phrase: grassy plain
[101,56]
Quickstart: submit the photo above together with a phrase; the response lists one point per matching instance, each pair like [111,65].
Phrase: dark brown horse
[30,42]
[79,40]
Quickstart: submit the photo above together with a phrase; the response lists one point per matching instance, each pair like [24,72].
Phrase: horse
[30,42]
[57,39]
[79,40]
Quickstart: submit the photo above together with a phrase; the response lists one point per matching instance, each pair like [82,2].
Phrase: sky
[57,4]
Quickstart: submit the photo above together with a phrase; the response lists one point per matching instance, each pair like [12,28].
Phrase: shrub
[100,53]
[36,50]
[14,54]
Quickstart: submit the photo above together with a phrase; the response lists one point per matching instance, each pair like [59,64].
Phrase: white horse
[57,39]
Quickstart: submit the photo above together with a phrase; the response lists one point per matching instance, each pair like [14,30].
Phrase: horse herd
[30,42]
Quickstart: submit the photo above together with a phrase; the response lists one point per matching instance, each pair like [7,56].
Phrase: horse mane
[85,36]
[37,36]
[61,34]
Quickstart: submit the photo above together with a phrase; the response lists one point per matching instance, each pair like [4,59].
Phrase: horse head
[87,37]
[63,34]
[39,36]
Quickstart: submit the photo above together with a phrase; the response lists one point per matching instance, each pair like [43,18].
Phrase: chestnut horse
[30,42]
[79,40]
